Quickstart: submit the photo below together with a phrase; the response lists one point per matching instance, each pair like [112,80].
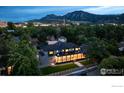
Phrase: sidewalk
[78,64]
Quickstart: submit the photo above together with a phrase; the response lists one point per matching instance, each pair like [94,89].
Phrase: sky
[24,13]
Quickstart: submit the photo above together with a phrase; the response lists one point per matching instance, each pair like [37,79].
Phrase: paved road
[92,71]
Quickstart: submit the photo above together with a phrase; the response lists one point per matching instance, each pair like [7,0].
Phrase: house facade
[60,52]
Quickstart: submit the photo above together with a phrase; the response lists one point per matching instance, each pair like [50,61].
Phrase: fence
[62,73]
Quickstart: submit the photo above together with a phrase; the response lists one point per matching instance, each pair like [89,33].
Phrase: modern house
[60,52]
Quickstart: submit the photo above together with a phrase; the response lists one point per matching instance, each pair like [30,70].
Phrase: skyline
[24,13]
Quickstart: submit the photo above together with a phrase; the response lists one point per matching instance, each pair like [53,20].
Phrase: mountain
[79,16]
[84,17]
[52,17]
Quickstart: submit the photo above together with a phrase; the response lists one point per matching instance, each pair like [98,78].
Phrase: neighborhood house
[60,52]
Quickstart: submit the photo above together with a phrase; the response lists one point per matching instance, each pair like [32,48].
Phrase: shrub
[112,63]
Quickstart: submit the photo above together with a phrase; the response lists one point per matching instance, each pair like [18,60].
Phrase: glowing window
[59,59]
[68,58]
[56,59]
[75,57]
[9,70]
[51,52]
[72,57]
[62,50]
[76,49]
[79,56]
[83,56]
[66,50]
[64,58]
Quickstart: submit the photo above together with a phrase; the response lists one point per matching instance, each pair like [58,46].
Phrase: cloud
[106,10]
[37,10]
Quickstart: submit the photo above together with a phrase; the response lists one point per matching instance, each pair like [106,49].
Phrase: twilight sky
[23,13]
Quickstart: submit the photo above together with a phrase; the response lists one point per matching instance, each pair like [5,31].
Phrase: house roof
[84,48]
[58,46]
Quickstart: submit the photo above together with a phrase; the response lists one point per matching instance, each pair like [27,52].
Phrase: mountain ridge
[82,16]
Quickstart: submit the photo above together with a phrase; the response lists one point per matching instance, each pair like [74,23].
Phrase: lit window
[58,59]
[62,50]
[75,57]
[68,58]
[83,56]
[50,52]
[64,58]
[9,70]
[72,57]
[66,50]
[79,56]
[76,49]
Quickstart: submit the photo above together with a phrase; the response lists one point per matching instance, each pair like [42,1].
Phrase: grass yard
[51,69]
[86,63]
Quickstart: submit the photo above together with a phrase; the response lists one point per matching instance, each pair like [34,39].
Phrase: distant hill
[82,16]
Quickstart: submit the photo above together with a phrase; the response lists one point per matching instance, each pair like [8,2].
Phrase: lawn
[87,63]
[51,69]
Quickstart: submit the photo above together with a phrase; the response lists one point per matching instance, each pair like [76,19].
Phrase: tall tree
[22,57]
[96,48]
[10,26]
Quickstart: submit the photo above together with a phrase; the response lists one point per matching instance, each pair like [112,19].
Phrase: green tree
[22,57]
[70,33]
[96,48]
[112,62]
[11,26]
[5,41]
